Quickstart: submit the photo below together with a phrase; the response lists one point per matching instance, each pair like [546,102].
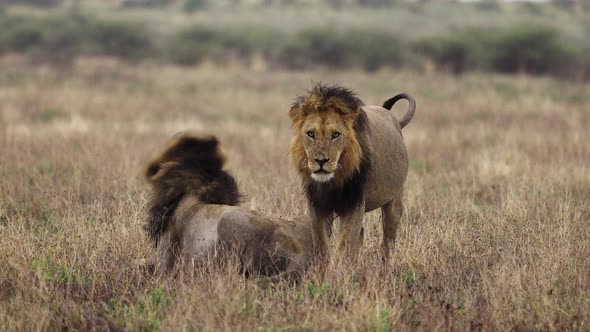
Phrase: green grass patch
[49,115]
[326,293]
[145,313]
[421,166]
[382,320]
[59,273]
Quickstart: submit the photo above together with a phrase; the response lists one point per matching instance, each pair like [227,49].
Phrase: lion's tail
[388,104]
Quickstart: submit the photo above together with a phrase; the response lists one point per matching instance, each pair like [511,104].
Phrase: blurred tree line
[534,49]
[579,6]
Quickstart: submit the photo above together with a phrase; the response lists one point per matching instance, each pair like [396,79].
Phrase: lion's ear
[295,112]
[157,170]
[346,108]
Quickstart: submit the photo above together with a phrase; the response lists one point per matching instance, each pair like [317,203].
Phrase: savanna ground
[495,233]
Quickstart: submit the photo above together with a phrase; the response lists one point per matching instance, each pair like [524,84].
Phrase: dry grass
[495,233]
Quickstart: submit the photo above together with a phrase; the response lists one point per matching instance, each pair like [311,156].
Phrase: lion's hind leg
[391,213]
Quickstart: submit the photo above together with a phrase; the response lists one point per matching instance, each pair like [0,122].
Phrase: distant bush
[37,3]
[531,49]
[533,8]
[146,3]
[488,5]
[336,3]
[568,4]
[325,47]
[194,44]
[191,6]
[62,38]
[127,40]
[50,39]
[457,52]
[19,34]
[376,3]
[367,49]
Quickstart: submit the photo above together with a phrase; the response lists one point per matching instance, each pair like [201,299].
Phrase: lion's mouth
[322,175]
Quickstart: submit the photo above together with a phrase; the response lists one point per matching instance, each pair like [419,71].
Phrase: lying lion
[193,215]
[352,159]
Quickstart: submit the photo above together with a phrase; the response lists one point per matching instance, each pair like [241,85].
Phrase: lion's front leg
[351,229]
[319,231]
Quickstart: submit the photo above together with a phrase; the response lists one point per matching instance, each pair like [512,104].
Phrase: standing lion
[193,215]
[352,159]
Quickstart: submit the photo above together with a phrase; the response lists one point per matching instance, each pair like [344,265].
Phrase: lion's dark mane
[329,198]
[197,171]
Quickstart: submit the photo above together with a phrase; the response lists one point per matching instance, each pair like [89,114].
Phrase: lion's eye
[335,135]
[310,134]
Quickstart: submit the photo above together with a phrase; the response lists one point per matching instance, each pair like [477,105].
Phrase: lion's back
[388,155]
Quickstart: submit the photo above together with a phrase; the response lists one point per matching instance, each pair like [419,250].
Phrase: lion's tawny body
[390,159]
[193,216]
[264,245]
[352,159]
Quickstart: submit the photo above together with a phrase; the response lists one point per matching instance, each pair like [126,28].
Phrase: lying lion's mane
[195,173]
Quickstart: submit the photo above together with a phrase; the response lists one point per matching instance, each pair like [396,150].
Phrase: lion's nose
[321,162]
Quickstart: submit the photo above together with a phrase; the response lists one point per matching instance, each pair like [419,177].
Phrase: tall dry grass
[495,233]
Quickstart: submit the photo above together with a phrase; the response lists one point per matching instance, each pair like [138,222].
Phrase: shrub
[19,34]
[457,52]
[36,3]
[192,45]
[122,39]
[336,3]
[51,39]
[332,48]
[567,4]
[191,6]
[530,49]
[488,5]
[374,50]
[146,3]
[318,46]
[61,38]
[376,3]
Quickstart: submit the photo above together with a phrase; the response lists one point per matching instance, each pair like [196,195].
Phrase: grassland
[495,233]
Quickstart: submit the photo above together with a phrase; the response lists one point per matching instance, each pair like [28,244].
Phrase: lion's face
[324,137]
[325,146]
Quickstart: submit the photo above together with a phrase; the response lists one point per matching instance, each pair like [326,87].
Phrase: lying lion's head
[191,165]
[187,164]
[327,124]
